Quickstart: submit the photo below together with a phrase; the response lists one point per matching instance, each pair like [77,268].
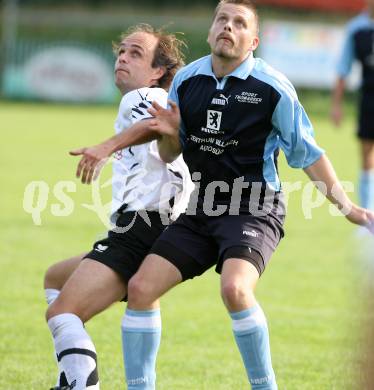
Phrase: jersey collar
[241,72]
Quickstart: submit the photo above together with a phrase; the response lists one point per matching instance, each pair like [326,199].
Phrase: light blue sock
[252,336]
[141,335]
[366,189]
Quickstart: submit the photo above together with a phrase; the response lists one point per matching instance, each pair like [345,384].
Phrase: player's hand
[336,115]
[165,121]
[93,159]
[363,217]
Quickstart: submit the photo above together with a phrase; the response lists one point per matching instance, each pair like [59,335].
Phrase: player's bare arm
[337,98]
[322,171]
[166,123]
[94,157]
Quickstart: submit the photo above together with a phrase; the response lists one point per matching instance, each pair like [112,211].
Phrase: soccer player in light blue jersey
[230,116]
[359,45]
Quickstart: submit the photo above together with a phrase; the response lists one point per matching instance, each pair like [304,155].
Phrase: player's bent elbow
[167,159]
[168,151]
[168,156]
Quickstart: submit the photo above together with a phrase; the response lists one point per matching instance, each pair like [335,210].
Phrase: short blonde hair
[246,3]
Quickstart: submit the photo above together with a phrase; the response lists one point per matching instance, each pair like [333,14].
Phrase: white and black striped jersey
[141,180]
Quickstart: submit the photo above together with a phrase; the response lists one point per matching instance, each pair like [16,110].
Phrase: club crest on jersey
[214,120]
[221,100]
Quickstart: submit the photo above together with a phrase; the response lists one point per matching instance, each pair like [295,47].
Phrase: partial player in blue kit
[359,46]
[230,115]
[147,192]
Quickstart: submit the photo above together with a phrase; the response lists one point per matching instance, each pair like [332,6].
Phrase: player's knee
[61,307]
[139,292]
[234,293]
[52,311]
[56,308]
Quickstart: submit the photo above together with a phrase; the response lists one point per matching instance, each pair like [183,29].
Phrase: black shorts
[366,116]
[125,249]
[196,243]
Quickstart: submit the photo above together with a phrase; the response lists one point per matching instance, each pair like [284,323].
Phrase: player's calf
[75,351]
[54,279]
[239,278]
[58,273]
[92,288]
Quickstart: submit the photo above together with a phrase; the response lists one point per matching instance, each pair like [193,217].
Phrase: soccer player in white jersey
[146,192]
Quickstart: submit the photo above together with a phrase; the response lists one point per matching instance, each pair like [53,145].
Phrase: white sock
[75,351]
[51,295]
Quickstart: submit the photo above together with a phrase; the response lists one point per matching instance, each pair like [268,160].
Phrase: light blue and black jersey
[359,45]
[233,128]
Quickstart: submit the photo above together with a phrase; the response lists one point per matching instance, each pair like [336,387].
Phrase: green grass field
[310,291]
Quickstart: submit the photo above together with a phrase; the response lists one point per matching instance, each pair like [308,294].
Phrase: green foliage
[308,292]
